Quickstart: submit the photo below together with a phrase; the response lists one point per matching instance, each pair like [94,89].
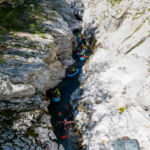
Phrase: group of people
[81,51]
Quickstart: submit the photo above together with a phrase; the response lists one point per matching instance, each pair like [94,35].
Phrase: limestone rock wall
[33,63]
[113,99]
[33,59]
[65,8]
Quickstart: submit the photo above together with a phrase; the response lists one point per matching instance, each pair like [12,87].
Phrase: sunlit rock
[114,101]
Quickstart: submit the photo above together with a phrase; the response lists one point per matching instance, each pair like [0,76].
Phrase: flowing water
[67,87]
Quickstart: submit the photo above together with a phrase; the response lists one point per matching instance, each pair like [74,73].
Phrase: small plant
[140,26]
[148,69]
[2,30]
[32,27]
[124,16]
[1,60]
[149,22]
[22,18]
[1,39]
[31,132]
[42,35]
[103,141]
[96,18]
[53,14]
[32,55]
[89,4]
[51,45]
[10,115]
[133,18]
[113,2]
[122,109]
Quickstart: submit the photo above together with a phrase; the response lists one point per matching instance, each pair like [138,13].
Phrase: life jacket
[82,54]
[82,45]
[59,113]
[73,69]
[65,122]
[65,136]
[57,92]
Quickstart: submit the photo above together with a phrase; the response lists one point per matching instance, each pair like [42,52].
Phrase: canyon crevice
[36,46]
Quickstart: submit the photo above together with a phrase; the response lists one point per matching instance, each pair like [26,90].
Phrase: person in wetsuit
[60,111]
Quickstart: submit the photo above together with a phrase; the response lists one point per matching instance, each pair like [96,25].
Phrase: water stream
[67,87]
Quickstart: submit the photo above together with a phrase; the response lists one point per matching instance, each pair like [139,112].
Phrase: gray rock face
[114,101]
[14,3]
[78,7]
[28,133]
[64,8]
[34,63]
[31,64]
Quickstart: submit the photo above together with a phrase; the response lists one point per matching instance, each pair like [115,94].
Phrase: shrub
[26,18]
[113,2]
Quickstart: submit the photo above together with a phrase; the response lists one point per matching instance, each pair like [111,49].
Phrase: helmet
[57,91]
[65,119]
[56,99]
[73,69]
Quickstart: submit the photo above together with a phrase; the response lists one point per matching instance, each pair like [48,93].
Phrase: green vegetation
[31,132]
[124,16]
[1,60]
[32,55]
[113,2]
[148,65]
[42,35]
[51,45]
[10,116]
[122,109]
[89,4]
[25,18]
[149,22]
[138,14]
[52,14]
[139,27]
[1,39]
[141,42]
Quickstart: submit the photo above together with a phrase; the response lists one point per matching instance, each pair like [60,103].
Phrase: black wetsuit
[66,113]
